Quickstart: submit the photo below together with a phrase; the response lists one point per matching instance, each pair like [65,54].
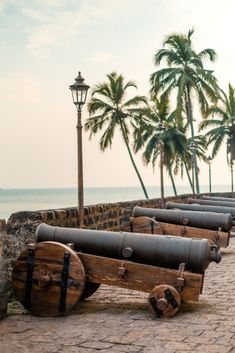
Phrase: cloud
[55,28]
[2,4]
[51,23]
[19,88]
[101,57]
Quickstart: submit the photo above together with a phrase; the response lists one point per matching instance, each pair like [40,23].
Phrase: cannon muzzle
[200,208]
[157,250]
[209,220]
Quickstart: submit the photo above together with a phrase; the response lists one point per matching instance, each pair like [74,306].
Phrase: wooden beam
[137,276]
[219,238]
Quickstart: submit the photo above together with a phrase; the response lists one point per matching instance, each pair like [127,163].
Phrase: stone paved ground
[117,320]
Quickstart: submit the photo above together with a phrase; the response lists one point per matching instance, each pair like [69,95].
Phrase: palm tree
[108,108]
[199,151]
[183,159]
[146,135]
[187,76]
[223,124]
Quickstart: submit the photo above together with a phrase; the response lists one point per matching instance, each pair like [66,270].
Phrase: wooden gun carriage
[50,277]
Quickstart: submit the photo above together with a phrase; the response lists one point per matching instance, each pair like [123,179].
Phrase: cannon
[50,277]
[207,220]
[148,225]
[218,198]
[165,251]
[201,208]
[211,202]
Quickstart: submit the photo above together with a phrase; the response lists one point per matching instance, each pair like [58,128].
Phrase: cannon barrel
[200,208]
[218,198]
[212,203]
[165,251]
[207,220]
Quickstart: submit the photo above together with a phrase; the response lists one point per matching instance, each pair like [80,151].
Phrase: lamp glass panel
[79,95]
[75,98]
[84,94]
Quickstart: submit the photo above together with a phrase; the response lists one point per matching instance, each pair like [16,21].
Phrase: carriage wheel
[145,225]
[90,288]
[48,279]
[164,300]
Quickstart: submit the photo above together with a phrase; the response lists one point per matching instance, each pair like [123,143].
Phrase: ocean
[13,200]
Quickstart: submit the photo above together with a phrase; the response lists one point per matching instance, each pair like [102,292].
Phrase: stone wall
[3,276]
[20,228]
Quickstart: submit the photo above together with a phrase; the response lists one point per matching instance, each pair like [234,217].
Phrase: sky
[44,43]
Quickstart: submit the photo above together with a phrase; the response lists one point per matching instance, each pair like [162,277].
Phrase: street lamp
[192,147]
[231,169]
[160,129]
[79,93]
[209,159]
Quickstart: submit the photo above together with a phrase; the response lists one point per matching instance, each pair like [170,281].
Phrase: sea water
[14,200]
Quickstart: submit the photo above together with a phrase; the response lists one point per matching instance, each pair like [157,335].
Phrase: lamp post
[209,159]
[160,130]
[79,93]
[192,147]
[231,169]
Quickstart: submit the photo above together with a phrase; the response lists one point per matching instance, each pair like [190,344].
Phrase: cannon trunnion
[50,277]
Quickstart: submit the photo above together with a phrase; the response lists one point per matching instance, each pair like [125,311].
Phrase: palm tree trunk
[188,104]
[133,163]
[172,182]
[188,175]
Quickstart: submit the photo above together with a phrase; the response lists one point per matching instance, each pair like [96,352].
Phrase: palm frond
[107,137]
[135,101]
[208,53]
